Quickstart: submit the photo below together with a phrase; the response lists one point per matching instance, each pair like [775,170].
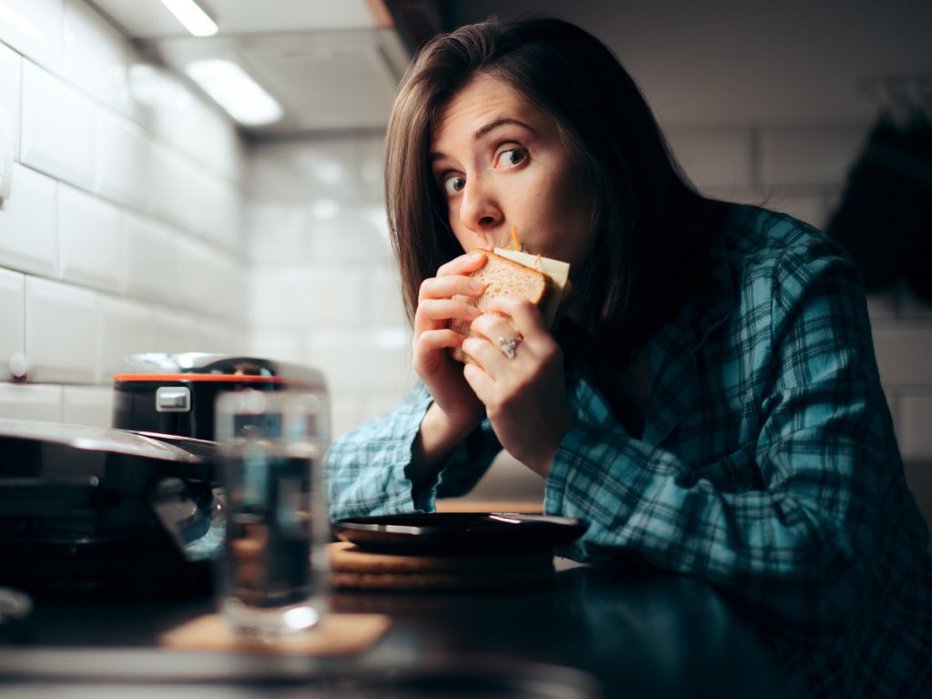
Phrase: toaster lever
[173,399]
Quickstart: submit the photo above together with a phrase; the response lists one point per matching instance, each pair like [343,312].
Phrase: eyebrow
[487,128]
[492,125]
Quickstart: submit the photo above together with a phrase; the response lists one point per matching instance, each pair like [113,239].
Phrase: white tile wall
[126,327]
[915,426]
[91,236]
[178,331]
[10,91]
[208,279]
[224,337]
[25,402]
[61,342]
[58,128]
[280,343]
[324,287]
[151,260]
[122,156]
[278,232]
[34,29]
[361,359]
[88,405]
[903,355]
[120,188]
[308,297]
[809,154]
[714,157]
[807,207]
[882,307]
[358,235]
[382,288]
[218,211]
[12,318]
[28,225]
[189,126]
[94,56]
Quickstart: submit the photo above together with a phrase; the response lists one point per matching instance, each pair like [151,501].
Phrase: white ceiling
[149,19]
[335,64]
[332,64]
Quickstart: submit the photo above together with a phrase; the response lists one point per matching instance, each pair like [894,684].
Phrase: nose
[479,208]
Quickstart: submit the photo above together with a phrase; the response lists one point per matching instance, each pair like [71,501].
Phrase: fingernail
[476,256]
[476,286]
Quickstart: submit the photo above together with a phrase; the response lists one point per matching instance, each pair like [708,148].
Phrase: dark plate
[448,533]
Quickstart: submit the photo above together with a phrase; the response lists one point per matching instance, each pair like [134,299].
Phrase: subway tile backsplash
[87,405]
[122,231]
[13,313]
[31,402]
[91,240]
[805,154]
[10,92]
[28,223]
[123,154]
[58,128]
[61,338]
[39,32]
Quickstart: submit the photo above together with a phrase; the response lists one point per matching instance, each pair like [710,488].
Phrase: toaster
[175,393]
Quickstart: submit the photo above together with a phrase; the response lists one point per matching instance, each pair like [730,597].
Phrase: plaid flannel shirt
[767,466]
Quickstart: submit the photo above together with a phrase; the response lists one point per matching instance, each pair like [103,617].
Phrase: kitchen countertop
[615,631]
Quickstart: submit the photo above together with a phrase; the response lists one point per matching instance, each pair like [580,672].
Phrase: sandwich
[541,280]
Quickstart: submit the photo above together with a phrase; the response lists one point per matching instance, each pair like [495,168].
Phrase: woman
[711,403]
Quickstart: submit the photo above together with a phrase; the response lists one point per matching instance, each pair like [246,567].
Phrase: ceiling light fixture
[192,16]
[19,23]
[234,90]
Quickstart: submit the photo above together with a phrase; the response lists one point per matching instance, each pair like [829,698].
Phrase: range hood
[331,64]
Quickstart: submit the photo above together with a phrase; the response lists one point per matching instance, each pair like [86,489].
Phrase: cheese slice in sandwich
[541,280]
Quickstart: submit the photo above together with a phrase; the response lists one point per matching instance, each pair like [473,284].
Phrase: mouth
[508,242]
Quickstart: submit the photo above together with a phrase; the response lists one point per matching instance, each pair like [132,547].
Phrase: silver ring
[509,346]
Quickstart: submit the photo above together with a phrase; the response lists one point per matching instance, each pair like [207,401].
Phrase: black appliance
[175,393]
[104,511]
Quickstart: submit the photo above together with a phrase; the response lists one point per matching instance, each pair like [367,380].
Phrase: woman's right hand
[459,408]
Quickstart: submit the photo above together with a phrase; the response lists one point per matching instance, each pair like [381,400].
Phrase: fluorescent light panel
[19,23]
[190,14]
[232,88]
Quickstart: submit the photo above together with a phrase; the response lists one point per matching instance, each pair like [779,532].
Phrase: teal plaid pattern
[767,466]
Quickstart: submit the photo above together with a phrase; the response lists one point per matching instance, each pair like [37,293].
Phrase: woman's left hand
[524,395]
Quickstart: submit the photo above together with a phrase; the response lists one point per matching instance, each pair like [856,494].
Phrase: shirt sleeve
[367,468]
[799,546]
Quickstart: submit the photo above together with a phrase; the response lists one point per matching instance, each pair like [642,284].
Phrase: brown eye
[453,184]
[512,157]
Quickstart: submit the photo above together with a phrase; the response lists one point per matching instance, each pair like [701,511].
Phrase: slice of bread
[557,270]
[503,276]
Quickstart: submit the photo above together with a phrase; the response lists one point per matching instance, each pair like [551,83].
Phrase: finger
[480,382]
[525,316]
[464,264]
[429,350]
[432,340]
[486,354]
[451,285]
[435,310]
[494,326]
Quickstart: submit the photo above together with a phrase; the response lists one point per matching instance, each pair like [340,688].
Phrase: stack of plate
[448,550]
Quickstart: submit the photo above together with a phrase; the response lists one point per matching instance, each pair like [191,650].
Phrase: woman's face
[500,162]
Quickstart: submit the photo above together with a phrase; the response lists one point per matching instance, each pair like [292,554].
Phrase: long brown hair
[650,236]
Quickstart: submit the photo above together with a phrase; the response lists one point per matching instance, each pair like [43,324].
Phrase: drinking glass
[273,576]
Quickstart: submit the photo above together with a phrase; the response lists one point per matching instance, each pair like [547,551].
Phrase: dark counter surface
[591,632]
